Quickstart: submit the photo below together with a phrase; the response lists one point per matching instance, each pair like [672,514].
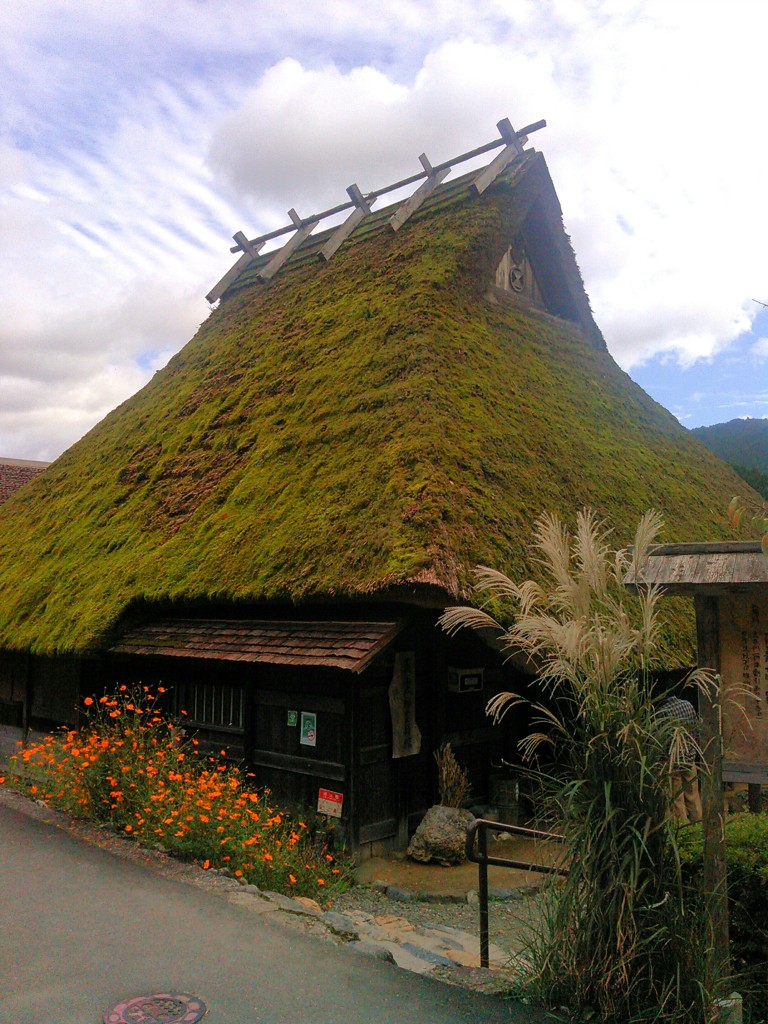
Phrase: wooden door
[376,790]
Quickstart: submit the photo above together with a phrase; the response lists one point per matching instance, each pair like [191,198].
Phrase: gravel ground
[508,921]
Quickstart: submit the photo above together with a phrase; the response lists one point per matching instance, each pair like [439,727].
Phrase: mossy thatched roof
[373,425]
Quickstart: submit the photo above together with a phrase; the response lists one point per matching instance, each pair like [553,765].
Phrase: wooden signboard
[406,735]
[744,675]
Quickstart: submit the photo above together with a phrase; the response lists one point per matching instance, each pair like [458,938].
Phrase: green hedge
[746,837]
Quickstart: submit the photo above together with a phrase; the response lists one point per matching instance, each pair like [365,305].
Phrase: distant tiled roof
[14,473]
[347,645]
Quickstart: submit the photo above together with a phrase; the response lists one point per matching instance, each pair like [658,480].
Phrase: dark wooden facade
[253,709]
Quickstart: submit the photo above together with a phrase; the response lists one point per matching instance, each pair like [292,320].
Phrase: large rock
[441,835]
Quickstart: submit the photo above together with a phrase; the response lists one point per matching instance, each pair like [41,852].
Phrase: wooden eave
[346,645]
[691,569]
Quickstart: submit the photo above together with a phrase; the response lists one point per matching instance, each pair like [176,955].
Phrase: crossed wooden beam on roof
[510,141]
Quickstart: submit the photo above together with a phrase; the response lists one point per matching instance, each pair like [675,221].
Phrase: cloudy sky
[137,137]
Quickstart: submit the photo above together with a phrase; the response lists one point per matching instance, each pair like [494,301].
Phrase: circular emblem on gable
[162,1008]
[516,275]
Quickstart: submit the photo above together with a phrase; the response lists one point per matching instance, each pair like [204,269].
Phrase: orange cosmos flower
[88,701]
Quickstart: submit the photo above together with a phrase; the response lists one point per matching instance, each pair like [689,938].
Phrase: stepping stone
[371,949]
[340,925]
[427,954]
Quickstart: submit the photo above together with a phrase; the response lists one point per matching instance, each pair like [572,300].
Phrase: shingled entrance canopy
[347,645]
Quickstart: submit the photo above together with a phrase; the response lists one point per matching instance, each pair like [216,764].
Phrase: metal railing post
[482,843]
[479,828]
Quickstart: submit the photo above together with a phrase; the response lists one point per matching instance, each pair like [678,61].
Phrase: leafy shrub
[129,768]
[746,844]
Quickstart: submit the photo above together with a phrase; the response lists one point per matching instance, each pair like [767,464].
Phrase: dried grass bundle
[453,784]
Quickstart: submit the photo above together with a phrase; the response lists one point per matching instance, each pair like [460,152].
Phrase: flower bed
[129,768]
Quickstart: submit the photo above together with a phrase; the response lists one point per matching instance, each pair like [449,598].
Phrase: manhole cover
[162,1008]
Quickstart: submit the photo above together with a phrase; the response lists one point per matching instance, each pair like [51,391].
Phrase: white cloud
[648,204]
[135,138]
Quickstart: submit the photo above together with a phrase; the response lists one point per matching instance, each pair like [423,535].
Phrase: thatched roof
[372,426]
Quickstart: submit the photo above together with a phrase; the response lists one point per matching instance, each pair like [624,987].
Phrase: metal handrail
[479,829]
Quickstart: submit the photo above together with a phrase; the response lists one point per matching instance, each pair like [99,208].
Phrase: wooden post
[715,871]
[513,148]
[343,231]
[406,209]
[303,230]
[234,272]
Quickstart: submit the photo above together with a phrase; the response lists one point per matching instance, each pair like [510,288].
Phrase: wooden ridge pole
[512,142]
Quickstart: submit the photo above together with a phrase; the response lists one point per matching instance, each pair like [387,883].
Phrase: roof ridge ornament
[360,205]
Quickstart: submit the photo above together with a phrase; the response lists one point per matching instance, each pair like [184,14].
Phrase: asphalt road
[81,930]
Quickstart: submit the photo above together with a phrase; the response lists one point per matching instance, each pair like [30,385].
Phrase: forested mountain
[742,443]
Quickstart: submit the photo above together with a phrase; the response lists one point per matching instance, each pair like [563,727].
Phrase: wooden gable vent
[515,274]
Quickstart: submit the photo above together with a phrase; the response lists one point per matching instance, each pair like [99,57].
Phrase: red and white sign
[329,803]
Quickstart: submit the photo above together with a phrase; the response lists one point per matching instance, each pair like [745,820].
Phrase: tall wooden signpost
[729,584]
[710,712]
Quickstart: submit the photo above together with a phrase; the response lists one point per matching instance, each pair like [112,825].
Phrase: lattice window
[212,705]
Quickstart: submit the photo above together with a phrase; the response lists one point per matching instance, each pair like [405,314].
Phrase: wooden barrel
[505,794]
